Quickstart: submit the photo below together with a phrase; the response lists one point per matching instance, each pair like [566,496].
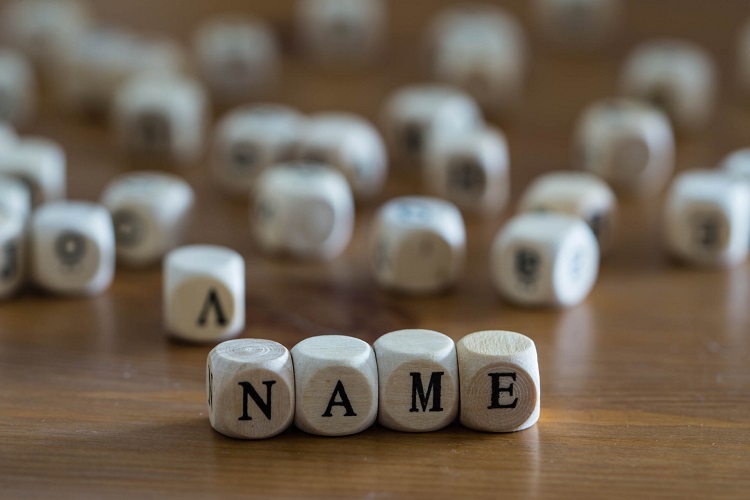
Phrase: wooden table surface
[645,386]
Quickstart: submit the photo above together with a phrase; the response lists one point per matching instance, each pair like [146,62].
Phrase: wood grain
[645,386]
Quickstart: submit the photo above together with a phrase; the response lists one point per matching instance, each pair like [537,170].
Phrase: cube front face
[204,293]
[250,388]
[12,252]
[417,245]
[522,271]
[40,165]
[73,248]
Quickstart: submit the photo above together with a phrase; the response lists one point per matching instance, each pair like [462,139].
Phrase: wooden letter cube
[305,210]
[40,164]
[471,170]
[628,144]
[204,293]
[17,88]
[545,259]
[12,250]
[707,218]
[336,379]
[237,57]
[250,139]
[417,245]
[737,165]
[417,115]
[500,390]
[483,50]
[161,117]
[351,144]
[341,31]
[677,76]
[578,24]
[73,248]
[418,380]
[151,212]
[15,196]
[250,385]
[579,194]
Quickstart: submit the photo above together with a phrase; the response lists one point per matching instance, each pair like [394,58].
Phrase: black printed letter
[417,389]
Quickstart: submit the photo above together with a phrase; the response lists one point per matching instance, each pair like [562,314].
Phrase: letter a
[340,392]
[212,302]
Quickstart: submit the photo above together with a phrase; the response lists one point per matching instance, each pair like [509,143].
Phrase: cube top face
[267,121]
[233,40]
[411,213]
[628,144]
[418,114]
[418,380]
[303,179]
[250,385]
[73,247]
[337,385]
[706,218]
[578,23]
[15,196]
[157,91]
[209,260]
[148,188]
[545,259]
[500,389]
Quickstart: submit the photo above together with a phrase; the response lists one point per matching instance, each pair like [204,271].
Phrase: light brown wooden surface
[645,386]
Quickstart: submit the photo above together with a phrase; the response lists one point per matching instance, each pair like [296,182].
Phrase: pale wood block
[578,24]
[72,248]
[483,50]
[303,210]
[707,218]
[352,145]
[151,212]
[40,164]
[336,379]
[500,389]
[471,170]
[90,75]
[250,386]
[417,115]
[628,144]
[18,88]
[350,32]
[677,76]
[204,293]
[417,245]
[417,380]
[45,30]
[238,57]
[579,194]
[737,165]
[161,117]
[250,139]
[545,259]
[12,250]
[15,196]
[8,137]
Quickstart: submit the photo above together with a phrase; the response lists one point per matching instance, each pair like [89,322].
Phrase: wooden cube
[161,118]
[471,170]
[500,389]
[707,218]
[417,115]
[151,213]
[628,144]
[72,248]
[579,194]
[250,386]
[352,145]
[336,379]
[17,88]
[15,196]
[237,57]
[304,210]
[417,245]
[545,259]
[677,76]
[204,293]
[418,380]
[251,138]
[40,164]
[578,24]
